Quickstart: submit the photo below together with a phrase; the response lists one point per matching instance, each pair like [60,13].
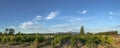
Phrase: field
[59,41]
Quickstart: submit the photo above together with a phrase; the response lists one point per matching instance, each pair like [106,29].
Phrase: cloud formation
[52,15]
[26,25]
[80,19]
[82,12]
[11,27]
[38,17]
[31,24]
[111,13]
[114,13]
[34,23]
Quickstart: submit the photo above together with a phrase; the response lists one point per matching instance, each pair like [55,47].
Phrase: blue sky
[50,16]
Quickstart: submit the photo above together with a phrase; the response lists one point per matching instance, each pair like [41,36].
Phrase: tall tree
[6,31]
[1,33]
[11,31]
[82,31]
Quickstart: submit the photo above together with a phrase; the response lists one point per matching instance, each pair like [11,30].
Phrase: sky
[51,16]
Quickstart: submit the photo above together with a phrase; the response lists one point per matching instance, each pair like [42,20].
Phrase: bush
[60,39]
[73,40]
[5,39]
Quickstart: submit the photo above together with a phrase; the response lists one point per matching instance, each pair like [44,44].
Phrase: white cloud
[31,24]
[38,17]
[82,12]
[26,25]
[111,13]
[81,19]
[114,13]
[34,22]
[11,27]
[52,15]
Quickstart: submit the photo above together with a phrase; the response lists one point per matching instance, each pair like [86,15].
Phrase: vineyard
[64,40]
[56,41]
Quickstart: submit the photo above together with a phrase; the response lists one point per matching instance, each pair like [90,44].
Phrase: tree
[6,31]
[11,31]
[1,33]
[73,40]
[82,31]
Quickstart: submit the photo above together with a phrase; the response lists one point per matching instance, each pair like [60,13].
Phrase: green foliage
[88,33]
[21,38]
[82,31]
[5,39]
[58,40]
[108,33]
[82,39]
[9,31]
[109,40]
[73,40]
[1,33]
[19,33]
[91,45]
[12,38]
[93,41]
[61,38]
[40,38]
[6,31]
[90,41]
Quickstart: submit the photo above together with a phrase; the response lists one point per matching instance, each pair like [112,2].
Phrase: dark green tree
[11,31]
[6,31]
[1,33]
[82,31]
